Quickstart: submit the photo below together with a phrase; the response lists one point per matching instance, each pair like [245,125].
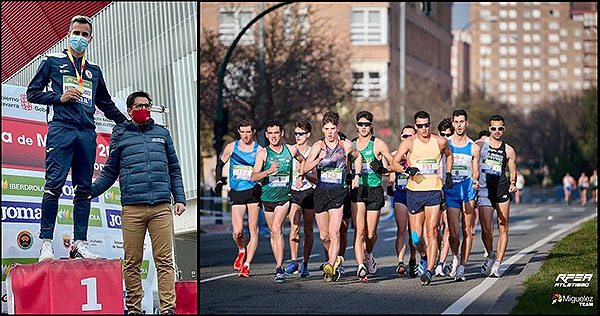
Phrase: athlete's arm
[298,156]
[403,149]
[314,157]
[381,148]
[257,174]
[511,156]
[475,153]
[357,161]
[225,155]
[443,143]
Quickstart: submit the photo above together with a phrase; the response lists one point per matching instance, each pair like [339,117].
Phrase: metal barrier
[218,209]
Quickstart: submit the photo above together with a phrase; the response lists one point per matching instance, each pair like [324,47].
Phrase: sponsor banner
[113,218]
[113,196]
[21,212]
[33,186]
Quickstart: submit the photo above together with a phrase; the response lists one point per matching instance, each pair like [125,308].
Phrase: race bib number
[461,167]
[86,97]
[331,175]
[427,166]
[402,180]
[279,181]
[242,172]
[295,175]
[366,168]
[493,167]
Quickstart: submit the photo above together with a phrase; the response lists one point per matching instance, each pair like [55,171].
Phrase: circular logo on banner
[88,73]
[24,240]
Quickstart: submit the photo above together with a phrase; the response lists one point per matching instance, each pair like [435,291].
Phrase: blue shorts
[400,196]
[461,192]
[417,200]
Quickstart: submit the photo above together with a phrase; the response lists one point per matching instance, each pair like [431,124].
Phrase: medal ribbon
[79,77]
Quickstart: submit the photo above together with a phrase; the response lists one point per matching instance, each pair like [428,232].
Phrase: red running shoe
[244,271]
[239,261]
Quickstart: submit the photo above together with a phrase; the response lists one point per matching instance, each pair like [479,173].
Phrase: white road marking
[533,210]
[219,277]
[559,226]
[391,229]
[555,209]
[523,226]
[462,303]
[579,209]
[390,238]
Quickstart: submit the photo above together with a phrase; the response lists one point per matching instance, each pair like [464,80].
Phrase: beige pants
[159,220]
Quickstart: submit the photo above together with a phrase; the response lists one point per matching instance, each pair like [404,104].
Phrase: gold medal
[80,89]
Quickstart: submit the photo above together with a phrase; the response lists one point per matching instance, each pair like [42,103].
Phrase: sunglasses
[499,128]
[300,133]
[363,124]
[445,135]
[423,125]
[406,135]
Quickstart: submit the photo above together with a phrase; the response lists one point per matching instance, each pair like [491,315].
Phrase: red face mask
[141,116]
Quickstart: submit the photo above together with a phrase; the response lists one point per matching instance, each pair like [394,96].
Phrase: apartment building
[524,52]
[587,12]
[460,63]
[371,30]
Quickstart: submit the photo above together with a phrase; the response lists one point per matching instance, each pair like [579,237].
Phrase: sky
[460,15]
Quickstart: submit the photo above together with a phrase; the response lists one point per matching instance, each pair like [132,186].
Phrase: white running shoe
[495,271]
[361,272]
[341,269]
[47,252]
[455,263]
[460,273]
[371,265]
[439,270]
[82,251]
[487,265]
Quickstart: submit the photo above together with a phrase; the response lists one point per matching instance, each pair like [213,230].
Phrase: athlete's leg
[445,237]
[432,222]
[454,228]
[411,246]
[401,215]
[475,220]
[237,223]
[295,213]
[253,215]
[486,217]
[309,220]
[372,222]
[583,197]
[344,236]
[468,209]
[503,210]
[359,219]
[323,225]
[335,221]
[416,225]
[275,221]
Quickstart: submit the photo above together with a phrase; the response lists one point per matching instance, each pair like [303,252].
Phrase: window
[535,50]
[536,38]
[526,38]
[526,62]
[512,74]
[369,80]
[512,62]
[503,74]
[577,45]
[553,50]
[484,13]
[553,62]
[502,98]
[536,13]
[512,4]
[485,26]
[536,75]
[512,98]
[512,50]
[485,38]
[503,50]
[535,86]
[503,13]
[553,74]
[586,84]
[502,87]
[512,87]
[527,13]
[512,26]
[563,32]
[503,3]
[577,59]
[563,72]
[526,26]
[526,74]
[288,24]
[526,50]
[231,22]
[577,71]
[553,38]
[484,50]
[368,26]
[503,38]
[485,3]
[563,58]
[526,98]
[564,85]
[553,25]
[535,62]
[577,17]
[553,86]
[526,86]
[485,62]
[512,14]
[577,32]
[503,62]
[554,13]
[503,26]
[483,75]
[536,26]
[577,85]
[563,45]
[587,46]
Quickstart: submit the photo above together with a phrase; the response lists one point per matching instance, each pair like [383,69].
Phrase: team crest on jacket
[88,73]
[158,139]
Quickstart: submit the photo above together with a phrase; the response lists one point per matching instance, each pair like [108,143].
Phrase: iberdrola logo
[64,213]
[5,185]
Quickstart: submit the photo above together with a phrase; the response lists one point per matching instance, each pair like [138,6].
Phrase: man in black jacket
[143,157]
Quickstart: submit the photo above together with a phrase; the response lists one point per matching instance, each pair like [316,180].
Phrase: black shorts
[417,200]
[306,198]
[347,205]
[371,196]
[244,197]
[326,199]
[270,206]
[498,192]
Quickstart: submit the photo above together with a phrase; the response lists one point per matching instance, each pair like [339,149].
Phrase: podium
[186,293]
[81,286]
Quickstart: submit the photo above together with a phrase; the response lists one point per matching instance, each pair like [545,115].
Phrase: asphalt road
[221,291]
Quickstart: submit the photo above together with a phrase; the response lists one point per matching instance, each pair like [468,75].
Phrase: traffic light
[425,8]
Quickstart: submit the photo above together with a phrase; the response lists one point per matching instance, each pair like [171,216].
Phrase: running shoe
[244,271]
[239,261]
[328,269]
[304,271]
[439,269]
[447,270]
[487,265]
[341,269]
[338,262]
[460,273]
[400,268]
[47,252]
[291,269]
[495,271]
[426,277]
[371,265]
[362,271]
[422,266]
[82,251]
[412,268]
[279,275]
[455,263]
[322,266]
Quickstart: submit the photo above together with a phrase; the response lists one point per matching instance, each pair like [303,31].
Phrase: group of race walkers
[435,180]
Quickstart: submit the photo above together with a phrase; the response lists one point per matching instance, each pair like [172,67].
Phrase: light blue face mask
[78,43]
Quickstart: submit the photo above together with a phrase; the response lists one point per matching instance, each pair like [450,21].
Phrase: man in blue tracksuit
[70,86]
[142,155]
